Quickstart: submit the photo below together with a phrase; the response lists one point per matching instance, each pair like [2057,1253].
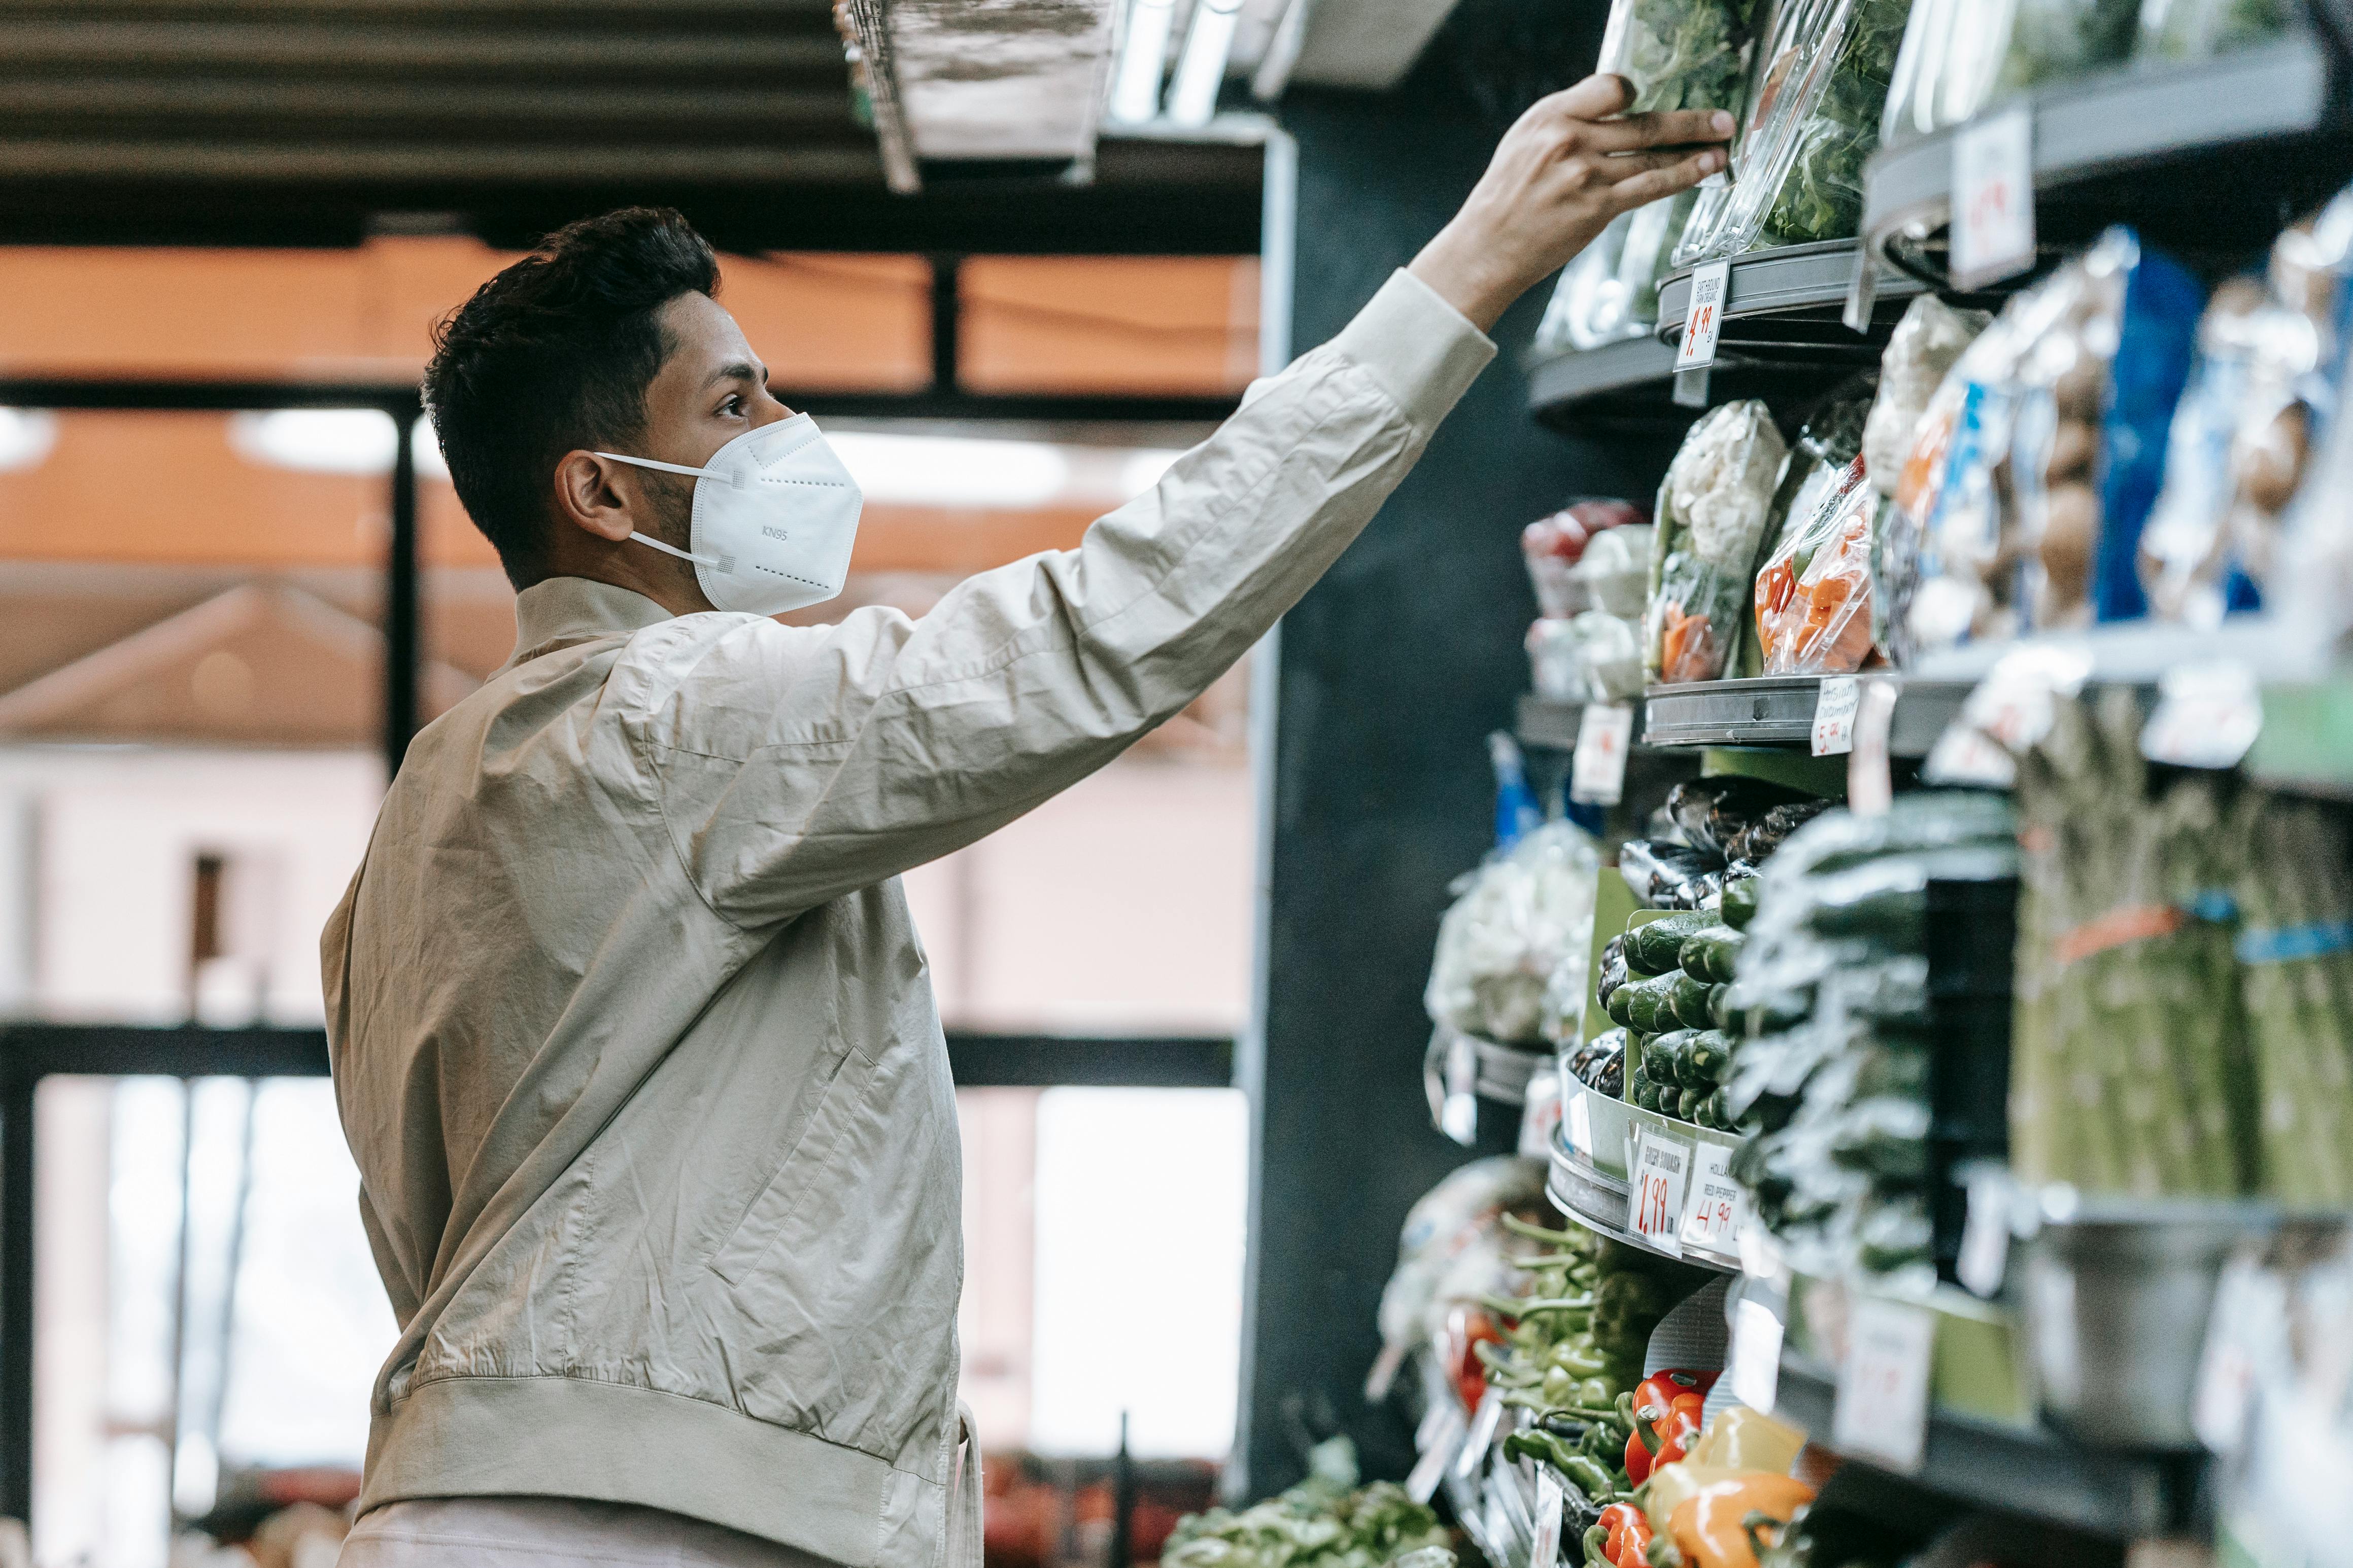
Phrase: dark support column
[1392,672]
[948,321]
[15,1291]
[403,645]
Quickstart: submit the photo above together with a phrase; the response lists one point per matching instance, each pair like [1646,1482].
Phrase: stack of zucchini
[1665,985]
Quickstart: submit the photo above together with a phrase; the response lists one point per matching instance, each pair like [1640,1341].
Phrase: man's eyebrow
[742,370]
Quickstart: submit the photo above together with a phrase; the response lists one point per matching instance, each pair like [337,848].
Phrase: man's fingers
[1680,173]
[1596,98]
[1624,166]
[1676,128]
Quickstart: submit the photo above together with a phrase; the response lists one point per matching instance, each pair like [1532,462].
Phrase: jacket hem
[609,1442]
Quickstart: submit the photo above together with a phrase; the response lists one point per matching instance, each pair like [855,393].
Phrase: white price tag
[1834,710]
[1550,1499]
[1713,1203]
[1421,1485]
[1484,1422]
[2208,716]
[1540,1115]
[1882,1412]
[1459,1118]
[1579,1122]
[1597,772]
[1662,1169]
[1756,1355]
[1962,755]
[1993,198]
[1869,789]
[1985,1233]
[1704,322]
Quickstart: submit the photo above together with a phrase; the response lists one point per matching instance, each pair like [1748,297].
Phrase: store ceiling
[315,122]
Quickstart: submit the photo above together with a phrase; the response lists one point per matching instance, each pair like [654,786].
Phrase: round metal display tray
[1786,304]
[1778,711]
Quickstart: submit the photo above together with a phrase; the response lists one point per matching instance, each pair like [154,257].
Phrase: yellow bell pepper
[1710,1528]
[1740,1438]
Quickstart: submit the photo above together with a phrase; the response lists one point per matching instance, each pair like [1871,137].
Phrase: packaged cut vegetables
[1817,93]
[2021,505]
[1579,648]
[1452,1251]
[1711,518]
[1679,54]
[1922,349]
[1513,920]
[1960,57]
[1814,595]
[1553,546]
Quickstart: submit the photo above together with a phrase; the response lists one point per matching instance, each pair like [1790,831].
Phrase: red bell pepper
[1628,1539]
[1638,1458]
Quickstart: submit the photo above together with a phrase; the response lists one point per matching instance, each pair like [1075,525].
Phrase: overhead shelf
[2203,158]
[2121,1495]
[1545,722]
[1778,711]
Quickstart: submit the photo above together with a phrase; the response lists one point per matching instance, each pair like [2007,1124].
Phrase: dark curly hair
[551,355]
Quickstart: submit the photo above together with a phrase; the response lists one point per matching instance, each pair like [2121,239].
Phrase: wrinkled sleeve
[796,765]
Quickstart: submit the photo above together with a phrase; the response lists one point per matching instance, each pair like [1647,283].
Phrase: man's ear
[590,495]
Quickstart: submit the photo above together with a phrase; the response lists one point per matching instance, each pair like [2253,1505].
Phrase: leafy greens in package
[1811,119]
[1679,54]
[1610,293]
[1962,56]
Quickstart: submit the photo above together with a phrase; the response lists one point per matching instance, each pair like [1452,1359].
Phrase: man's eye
[733,406]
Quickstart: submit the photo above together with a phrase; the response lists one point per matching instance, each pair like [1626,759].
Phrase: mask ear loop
[669,468]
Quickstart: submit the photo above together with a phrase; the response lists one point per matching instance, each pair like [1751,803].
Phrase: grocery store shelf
[1629,388]
[2124,1496]
[2203,158]
[1786,304]
[1778,711]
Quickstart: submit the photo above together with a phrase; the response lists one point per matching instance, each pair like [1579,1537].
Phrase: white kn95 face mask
[774,515]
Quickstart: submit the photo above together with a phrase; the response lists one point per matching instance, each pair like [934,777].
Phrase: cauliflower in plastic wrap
[1512,919]
[1722,483]
[1925,345]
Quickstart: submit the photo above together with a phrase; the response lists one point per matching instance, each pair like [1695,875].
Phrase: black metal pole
[402,611]
[1122,1502]
[948,321]
[15,1289]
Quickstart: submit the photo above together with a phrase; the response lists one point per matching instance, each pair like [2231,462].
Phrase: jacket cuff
[1418,347]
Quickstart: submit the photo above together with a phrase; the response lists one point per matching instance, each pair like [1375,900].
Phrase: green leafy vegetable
[1680,54]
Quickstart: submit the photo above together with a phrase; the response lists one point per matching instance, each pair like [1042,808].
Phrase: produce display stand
[1778,711]
[2120,1495]
[2203,158]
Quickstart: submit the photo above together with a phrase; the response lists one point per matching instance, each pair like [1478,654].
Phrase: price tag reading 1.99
[1705,319]
[1662,1169]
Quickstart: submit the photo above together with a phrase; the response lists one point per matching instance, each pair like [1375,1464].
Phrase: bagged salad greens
[1710,520]
[1815,99]
[1679,54]
[1960,57]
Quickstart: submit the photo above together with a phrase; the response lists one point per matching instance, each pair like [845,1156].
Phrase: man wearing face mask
[632,1037]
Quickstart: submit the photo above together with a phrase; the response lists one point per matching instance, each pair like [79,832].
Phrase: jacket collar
[558,611]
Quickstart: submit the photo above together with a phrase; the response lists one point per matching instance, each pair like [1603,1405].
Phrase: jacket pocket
[813,1161]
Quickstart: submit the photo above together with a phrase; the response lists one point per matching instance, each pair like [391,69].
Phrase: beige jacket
[633,1040]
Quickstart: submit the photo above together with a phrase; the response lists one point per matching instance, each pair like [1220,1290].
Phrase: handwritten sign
[1662,1169]
[1710,283]
[1597,772]
[1993,198]
[1713,1203]
[1882,1412]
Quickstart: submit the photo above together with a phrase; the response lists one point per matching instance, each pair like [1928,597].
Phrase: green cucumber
[1711,954]
[1636,1082]
[1687,1000]
[1719,1007]
[1648,1099]
[1688,1103]
[1651,948]
[1709,1056]
[1740,903]
[1664,1057]
[1646,1011]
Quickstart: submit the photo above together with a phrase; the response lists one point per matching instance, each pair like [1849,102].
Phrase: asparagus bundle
[2130,1067]
[2296,945]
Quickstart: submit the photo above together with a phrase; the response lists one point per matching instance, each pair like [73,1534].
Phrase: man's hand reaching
[1558,176]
